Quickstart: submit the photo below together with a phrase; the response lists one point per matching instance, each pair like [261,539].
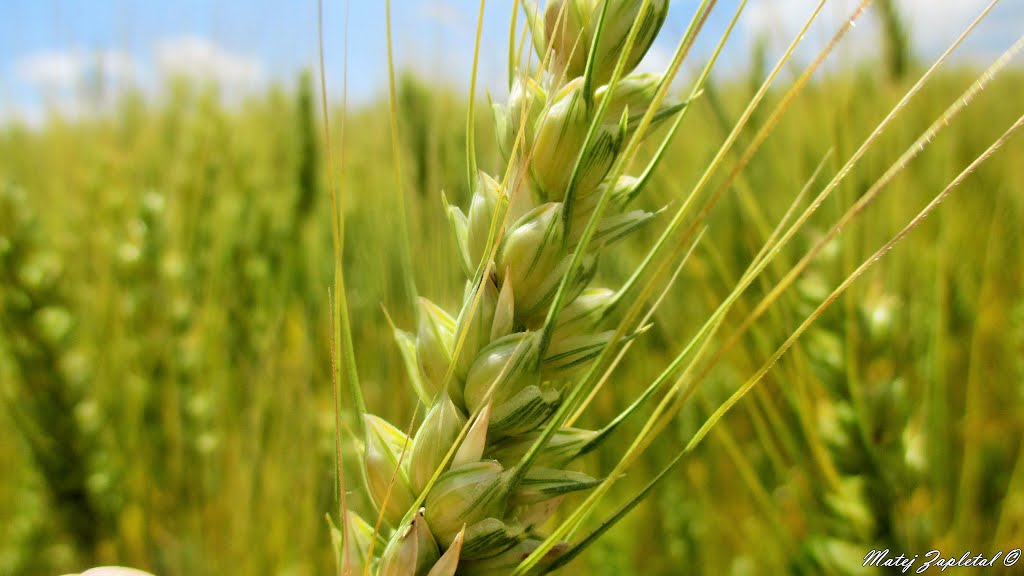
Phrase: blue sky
[46,48]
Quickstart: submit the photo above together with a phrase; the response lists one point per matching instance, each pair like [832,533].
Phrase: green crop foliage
[166,336]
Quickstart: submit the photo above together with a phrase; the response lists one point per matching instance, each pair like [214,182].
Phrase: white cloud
[656,60]
[934,28]
[778,21]
[202,59]
[69,83]
[933,24]
[52,69]
[62,81]
[443,13]
[61,70]
[189,56]
[930,22]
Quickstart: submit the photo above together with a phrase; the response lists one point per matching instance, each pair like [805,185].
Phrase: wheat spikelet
[530,321]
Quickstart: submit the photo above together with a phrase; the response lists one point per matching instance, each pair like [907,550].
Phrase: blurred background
[165,254]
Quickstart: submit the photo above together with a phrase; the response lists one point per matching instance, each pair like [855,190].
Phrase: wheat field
[167,284]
